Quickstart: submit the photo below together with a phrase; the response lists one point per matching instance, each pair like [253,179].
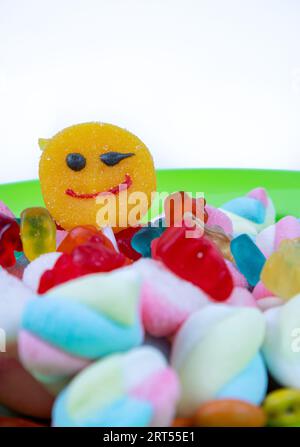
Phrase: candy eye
[75,161]
[112,158]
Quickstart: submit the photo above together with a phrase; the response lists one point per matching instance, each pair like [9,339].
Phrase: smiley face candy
[86,161]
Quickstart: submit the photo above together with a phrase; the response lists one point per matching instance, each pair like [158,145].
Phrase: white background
[202,83]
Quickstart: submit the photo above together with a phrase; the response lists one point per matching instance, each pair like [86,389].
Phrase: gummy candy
[137,388]
[91,257]
[80,236]
[216,355]
[179,203]
[9,240]
[229,413]
[86,160]
[220,239]
[281,273]
[249,259]
[141,240]
[124,238]
[282,408]
[38,232]
[196,260]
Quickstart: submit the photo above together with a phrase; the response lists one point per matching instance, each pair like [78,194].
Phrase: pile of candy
[142,326]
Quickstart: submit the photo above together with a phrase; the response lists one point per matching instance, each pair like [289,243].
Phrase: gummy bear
[141,241]
[281,273]
[38,232]
[124,238]
[220,239]
[80,236]
[196,260]
[9,240]
[91,257]
[248,257]
[179,203]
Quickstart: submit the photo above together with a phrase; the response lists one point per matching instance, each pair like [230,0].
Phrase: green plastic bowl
[218,185]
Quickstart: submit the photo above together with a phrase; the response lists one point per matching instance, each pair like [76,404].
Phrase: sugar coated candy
[84,164]
[229,413]
[248,257]
[282,408]
[9,240]
[216,355]
[197,260]
[135,389]
[80,321]
[281,348]
[38,232]
[281,273]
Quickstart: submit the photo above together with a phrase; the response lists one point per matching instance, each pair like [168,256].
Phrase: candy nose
[112,158]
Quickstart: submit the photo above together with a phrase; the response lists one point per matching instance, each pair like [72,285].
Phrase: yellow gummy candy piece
[281,272]
[38,232]
[86,161]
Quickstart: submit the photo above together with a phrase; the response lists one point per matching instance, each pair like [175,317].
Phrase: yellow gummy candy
[281,272]
[38,232]
[86,162]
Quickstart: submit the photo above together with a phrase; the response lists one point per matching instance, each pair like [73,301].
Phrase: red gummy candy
[180,202]
[196,259]
[10,240]
[123,239]
[92,257]
[81,235]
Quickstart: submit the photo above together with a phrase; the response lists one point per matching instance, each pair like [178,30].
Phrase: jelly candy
[80,321]
[281,348]
[84,161]
[216,355]
[229,413]
[176,205]
[167,300]
[141,240]
[91,257]
[35,269]
[249,259]
[196,260]
[124,238]
[9,240]
[183,422]
[220,239]
[218,219]
[80,236]
[282,408]
[18,422]
[281,273]
[135,389]
[38,232]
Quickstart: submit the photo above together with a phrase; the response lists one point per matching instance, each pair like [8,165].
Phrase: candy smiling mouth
[113,190]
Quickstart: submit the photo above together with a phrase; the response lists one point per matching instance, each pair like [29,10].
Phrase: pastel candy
[260,291]
[281,347]
[13,297]
[167,300]
[126,390]
[270,238]
[249,259]
[78,322]
[33,272]
[218,218]
[241,297]
[250,213]
[239,279]
[216,354]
